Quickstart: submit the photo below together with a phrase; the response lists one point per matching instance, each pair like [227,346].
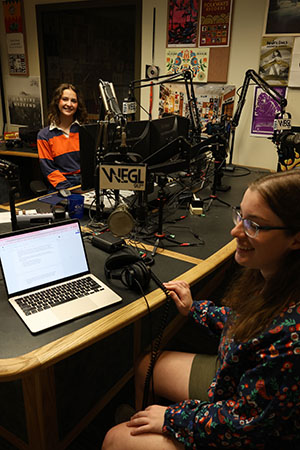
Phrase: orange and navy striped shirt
[59,154]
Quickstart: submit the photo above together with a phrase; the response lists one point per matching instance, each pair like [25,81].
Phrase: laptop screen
[31,259]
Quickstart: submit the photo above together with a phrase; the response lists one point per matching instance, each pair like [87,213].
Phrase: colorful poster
[211,99]
[275,59]
[183,23]
[215,19]
[13,16]
[196,60]
[265,109]
[15,37]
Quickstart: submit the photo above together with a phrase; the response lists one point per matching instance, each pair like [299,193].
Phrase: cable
[245,170]
[140,106]
[157,342]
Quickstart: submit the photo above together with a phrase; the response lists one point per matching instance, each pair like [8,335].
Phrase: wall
[246,32]
[247,28]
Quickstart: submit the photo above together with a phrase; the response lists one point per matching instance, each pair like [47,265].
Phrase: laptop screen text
[36,258]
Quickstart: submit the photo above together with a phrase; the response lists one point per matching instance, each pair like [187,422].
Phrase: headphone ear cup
[135,276]
[119,260]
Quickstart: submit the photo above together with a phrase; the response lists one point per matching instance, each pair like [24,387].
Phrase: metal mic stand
[13,217]
[10,172]
[100,145]
[160,235]
[213,196]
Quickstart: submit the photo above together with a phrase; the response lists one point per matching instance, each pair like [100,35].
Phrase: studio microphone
[129,105]
[120,221]
[292,139]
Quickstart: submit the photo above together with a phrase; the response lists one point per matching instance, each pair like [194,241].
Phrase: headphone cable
[157,341]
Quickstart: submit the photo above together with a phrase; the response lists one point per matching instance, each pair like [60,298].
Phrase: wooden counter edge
[29,154]
[49,354]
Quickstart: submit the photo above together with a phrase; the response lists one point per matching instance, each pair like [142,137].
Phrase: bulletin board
[218,65]
[203,23]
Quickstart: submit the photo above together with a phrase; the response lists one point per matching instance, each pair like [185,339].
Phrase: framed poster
[196,60]
[182,23]
[15,37]
[24,101]
[275,59]
[264,111]
[215,20]
[282,17]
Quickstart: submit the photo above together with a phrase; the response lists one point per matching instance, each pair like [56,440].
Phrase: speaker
[129,267]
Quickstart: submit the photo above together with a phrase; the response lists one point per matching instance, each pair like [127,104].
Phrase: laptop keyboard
[39,301]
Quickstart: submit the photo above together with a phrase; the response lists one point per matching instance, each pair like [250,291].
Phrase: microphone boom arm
[187,77]
[252,75]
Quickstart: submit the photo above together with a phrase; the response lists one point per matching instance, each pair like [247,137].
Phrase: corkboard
[218,65]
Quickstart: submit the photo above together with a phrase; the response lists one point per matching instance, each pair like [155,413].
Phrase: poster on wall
[282,17]
[264,111]
[182,23]
[275,59]
[196,60]
[15,37]
[294,78]
[215,20]
[211,100]
[24,101]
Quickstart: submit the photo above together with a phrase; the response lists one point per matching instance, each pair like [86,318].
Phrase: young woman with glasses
[253,398]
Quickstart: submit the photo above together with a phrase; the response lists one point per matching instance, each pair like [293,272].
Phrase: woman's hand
[150,420]
[181,294]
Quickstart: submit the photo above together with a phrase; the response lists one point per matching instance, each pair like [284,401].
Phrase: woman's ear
[295,245]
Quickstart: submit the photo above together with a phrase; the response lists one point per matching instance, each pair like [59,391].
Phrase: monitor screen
[166,138]
[137,137]
[137,140]
[166,129]
[146,138]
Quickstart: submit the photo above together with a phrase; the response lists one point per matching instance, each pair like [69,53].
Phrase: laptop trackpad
[74,308]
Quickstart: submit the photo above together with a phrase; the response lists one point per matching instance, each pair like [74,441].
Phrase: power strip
[34,218]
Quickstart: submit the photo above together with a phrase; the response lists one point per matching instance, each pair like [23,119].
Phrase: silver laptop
[47,275]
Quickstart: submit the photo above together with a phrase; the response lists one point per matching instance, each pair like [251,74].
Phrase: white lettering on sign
[125,177]
[282,124]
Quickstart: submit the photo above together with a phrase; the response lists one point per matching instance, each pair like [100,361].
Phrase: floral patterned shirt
[255,395]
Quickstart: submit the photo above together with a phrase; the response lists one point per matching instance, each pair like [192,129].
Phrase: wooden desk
[26,152]
[56,380]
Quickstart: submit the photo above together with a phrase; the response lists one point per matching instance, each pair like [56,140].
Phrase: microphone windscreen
[120,221]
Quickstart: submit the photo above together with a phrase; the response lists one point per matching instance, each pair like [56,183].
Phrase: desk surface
[21,352]
[26,152]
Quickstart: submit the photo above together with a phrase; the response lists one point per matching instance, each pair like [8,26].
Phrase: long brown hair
[255,301]
[54,113]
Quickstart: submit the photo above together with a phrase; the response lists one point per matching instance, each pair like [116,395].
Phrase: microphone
[120,221]
[292,139]
[129,105]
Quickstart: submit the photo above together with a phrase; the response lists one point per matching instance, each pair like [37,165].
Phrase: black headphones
[129,267]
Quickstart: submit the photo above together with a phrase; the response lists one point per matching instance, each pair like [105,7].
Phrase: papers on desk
[52,199]
[5,217]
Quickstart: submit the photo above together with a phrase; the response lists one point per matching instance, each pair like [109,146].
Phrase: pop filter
[120,221]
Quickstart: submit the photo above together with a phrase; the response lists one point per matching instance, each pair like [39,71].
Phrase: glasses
[251,228]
